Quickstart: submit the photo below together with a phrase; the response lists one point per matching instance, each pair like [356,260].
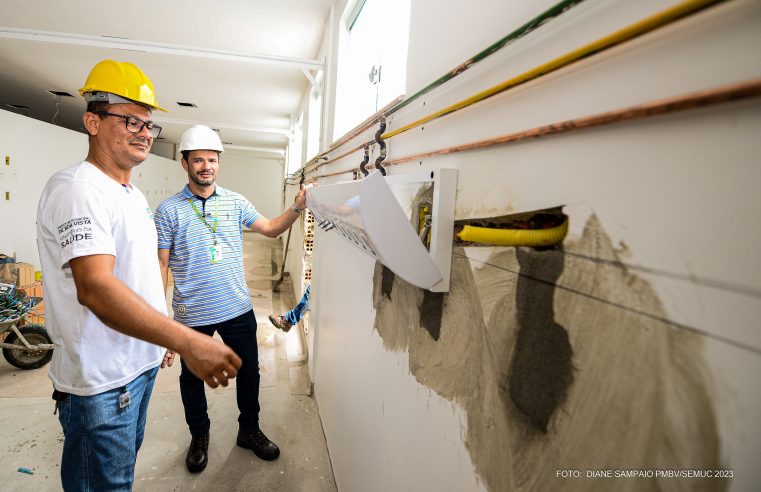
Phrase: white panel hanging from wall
[373,214]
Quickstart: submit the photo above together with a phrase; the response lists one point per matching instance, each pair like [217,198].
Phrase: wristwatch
[296,209]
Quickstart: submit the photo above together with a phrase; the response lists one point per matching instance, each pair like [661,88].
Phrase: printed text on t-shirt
[76,229]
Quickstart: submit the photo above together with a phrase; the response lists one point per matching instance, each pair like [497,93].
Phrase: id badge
[215,253]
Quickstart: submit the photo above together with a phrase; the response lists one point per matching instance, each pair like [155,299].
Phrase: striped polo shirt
[204,292]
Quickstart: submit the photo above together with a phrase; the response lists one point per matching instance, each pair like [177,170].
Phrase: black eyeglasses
[135,125]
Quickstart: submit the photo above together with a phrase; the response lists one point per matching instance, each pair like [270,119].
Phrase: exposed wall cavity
[430,312]
[541,369]
[553,372]
[387,282]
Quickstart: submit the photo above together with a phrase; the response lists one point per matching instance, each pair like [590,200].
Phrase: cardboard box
[24,273]
[8,273]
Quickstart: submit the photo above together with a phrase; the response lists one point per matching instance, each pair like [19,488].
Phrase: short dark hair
[98,106]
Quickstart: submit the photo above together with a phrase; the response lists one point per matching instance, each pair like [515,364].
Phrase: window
[372,59]
[314,123]
[294,146]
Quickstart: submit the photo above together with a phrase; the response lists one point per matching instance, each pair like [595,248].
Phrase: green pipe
[526,28]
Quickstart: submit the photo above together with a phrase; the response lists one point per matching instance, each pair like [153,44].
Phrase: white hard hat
[200,137]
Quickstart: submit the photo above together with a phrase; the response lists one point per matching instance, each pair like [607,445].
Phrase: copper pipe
[628,33]
[369,122]
[695,100]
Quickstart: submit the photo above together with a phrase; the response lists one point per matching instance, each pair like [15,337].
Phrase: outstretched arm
[122,309]
[281,223]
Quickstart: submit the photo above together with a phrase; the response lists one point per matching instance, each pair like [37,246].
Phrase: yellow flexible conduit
[515,237]
[612,39]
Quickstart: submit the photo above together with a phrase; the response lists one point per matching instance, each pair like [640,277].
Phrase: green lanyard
[213,228]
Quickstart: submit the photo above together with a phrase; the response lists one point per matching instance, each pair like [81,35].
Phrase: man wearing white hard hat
[105,308]
[200,239]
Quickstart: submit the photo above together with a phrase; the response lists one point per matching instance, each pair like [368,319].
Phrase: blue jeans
[294,315]
[240,335]
[101,440]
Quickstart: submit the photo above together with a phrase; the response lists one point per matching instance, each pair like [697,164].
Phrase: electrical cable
[514,237]
[523,30]
[615,38]
[639,312]
[695,100]
[530,26]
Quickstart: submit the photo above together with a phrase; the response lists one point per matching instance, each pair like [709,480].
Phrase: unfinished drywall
[650,311]
[557,369]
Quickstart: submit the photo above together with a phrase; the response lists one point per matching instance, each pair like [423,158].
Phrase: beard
[197,179]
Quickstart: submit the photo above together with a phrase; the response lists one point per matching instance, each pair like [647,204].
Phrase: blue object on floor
[26,470]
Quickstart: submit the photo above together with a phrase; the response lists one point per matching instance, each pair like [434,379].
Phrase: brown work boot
[280,322]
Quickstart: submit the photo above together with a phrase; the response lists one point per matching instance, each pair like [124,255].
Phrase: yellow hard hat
[122,79]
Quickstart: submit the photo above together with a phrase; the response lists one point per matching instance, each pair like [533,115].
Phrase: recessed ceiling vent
[186,104]
[60,93]
[18,106]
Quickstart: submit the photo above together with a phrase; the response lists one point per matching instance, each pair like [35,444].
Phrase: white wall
[670,191]
[257,178]
[37,150]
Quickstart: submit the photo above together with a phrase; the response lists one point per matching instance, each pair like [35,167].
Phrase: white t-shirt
[84,212]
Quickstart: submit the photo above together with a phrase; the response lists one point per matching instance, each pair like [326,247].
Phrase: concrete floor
[31,437]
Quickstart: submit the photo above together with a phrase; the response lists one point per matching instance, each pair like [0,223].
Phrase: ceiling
[245,64]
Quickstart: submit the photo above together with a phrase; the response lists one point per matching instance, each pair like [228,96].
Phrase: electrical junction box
[374,215]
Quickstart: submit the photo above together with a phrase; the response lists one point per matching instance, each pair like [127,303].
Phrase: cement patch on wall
[557,368]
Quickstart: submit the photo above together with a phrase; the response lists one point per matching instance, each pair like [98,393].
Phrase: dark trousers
[240,335]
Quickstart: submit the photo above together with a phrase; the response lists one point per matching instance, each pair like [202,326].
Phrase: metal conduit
[398,104]
[526,28]
[724,94]
[615,38]
[621,36]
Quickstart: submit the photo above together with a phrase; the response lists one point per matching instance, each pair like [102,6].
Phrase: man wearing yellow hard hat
[105,309]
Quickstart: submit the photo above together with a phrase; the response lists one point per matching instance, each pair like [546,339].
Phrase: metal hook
[365,161]
[381,145]
[301,182]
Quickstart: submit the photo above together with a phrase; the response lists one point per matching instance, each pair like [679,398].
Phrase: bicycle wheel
[24,358]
